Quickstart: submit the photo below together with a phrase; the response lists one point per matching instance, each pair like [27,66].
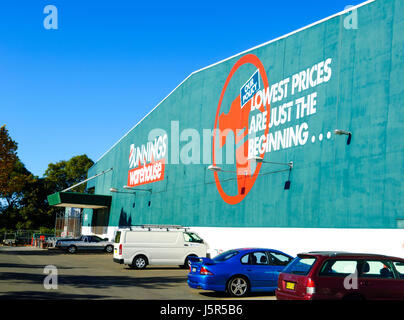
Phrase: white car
[147,246]
[85,243]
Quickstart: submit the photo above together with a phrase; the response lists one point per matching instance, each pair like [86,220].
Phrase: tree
[8,151]
[14,179]
[56,175]
[23,196]
[13,174]
[8,159]
[35,211]
[64,174]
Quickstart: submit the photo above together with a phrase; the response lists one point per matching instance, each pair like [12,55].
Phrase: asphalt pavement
[32,273]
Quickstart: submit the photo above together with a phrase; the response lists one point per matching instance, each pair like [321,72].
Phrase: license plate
[290,285]
[116,250]
[193,269]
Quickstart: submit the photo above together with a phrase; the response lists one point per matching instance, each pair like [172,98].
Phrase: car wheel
[109,249]
[187,263]
[140,262]
[72,249]
[238,286]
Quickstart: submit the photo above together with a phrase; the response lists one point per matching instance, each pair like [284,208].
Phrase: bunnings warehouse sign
[253,122]
[146,162]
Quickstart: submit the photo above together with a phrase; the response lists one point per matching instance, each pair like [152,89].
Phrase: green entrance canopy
[79,200]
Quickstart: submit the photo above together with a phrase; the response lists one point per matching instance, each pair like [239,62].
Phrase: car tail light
[310,286]
[120,249]
[205,271]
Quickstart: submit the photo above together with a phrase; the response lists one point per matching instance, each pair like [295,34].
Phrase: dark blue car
[238,271]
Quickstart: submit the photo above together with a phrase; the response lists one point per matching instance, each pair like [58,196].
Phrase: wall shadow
[151,268]
[125,220]
[39,295]
[48,252]
[28,251]
[28,266]
[218,294]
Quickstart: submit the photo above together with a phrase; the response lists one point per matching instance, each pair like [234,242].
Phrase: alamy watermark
[51,280]
[351,281]
[51,20]
[351,20]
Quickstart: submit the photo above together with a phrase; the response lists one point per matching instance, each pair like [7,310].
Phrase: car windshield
[192,237]
[300,265]
[225,256]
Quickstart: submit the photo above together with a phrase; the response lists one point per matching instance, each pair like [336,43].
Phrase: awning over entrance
[79,200]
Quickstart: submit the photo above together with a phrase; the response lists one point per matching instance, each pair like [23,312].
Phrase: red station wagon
[342,275]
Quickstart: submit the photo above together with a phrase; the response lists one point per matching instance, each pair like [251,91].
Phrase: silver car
[85,243]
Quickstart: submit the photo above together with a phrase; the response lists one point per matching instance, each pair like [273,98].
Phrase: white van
[157,245]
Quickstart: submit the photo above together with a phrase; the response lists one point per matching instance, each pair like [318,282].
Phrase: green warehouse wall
[332,184]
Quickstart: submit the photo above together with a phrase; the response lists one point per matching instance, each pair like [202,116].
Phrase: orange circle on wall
[248,180]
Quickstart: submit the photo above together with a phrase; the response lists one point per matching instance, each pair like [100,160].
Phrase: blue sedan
[238,271]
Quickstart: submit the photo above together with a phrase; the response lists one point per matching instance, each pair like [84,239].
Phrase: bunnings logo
[147,161]
[233,126]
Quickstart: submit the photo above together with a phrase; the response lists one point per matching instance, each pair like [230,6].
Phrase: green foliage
[13,175]
[23,197]
[64,174]
[8,158]
[35,211]
[46,230]
[56,175]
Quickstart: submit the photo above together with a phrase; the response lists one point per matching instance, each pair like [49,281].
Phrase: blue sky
[80,88]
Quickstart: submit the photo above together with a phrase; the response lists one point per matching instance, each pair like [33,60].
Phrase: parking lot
[93,276]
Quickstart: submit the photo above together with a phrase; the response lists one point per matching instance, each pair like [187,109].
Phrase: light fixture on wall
[88,179]
[132,191]
[136,189]
[214,168]
[115,190]
[340,132]
[289,164]
[219,169]
[261,160]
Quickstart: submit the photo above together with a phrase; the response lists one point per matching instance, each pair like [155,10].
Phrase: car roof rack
[159,226]
[329,253]
[342,253]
